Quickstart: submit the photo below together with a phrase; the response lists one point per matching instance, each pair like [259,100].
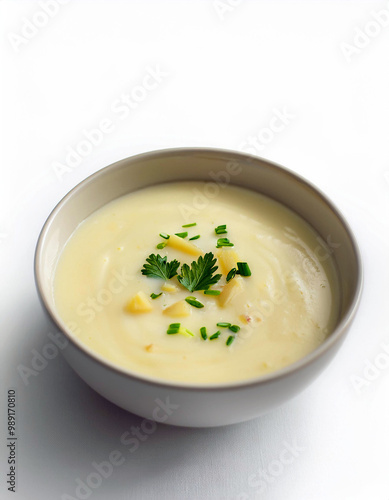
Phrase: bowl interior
[218,168]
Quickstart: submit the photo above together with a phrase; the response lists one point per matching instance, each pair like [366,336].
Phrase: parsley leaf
[200,275]
[158,267]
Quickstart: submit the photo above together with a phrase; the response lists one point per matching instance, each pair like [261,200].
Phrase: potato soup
[228,289]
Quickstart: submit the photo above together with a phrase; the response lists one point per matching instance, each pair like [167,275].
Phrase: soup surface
[176,321]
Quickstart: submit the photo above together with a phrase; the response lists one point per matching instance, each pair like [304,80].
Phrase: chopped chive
[221,229]
[155,295]
[186,332]
[215,335]
[172,331]
[161,245]
[223,324]
[182,235]
[230,340]
[224,242]
[164,235]
[190,225]
[203,333]
[231,274]
[195,237]
[211,292]
[173,328]
[194,302]
[234,328]
[243,269]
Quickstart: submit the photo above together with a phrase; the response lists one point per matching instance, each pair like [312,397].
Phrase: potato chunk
[178,309]
[230,291]
[227,259]
[140,303]
[169,287]
[183,245]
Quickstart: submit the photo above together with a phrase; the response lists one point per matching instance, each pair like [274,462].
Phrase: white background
[225,71]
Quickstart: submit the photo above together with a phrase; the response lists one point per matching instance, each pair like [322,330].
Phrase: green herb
[230,340]
[224,242]
[234,328]
[200,276]
[231,274]
[194,237]
[190,225]
[212,292]
[194,302]
[182,235]
[158,267]
[173,328]
[155,295]
[186,332]
[203,333]
[221,229]
[214,336]
[243,269]
[223,325]
[161,245]
[164,235]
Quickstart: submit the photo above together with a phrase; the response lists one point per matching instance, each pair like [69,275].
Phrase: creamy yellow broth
[285,309]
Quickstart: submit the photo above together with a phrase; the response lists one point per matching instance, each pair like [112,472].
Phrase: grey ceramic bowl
[179,403]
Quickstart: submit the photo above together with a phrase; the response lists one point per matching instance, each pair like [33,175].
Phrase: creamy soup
[234,286]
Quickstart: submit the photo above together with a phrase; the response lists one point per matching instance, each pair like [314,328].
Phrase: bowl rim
[336,336]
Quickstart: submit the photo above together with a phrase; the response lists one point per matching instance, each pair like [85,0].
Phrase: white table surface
[226,69]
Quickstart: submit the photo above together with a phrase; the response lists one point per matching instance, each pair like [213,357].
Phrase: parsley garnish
[200,275]
[158,267]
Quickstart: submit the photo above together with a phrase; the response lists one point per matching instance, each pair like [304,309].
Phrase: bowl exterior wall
[193,407]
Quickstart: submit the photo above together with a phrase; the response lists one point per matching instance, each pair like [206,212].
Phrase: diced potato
[227,259]
[140,303]
[178,309]
[183,245]
[169,287]
[230,291]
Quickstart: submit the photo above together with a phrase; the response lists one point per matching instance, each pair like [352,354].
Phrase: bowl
[185,404]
